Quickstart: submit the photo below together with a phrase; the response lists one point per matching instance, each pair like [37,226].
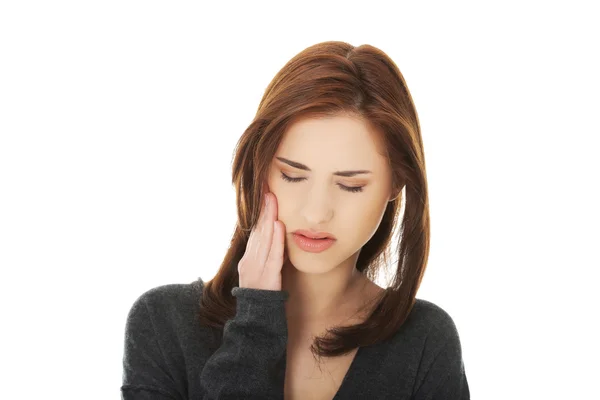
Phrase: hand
[260,266]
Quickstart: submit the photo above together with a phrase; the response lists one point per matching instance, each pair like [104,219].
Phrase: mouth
[312,245]
[314,235]
[314,238]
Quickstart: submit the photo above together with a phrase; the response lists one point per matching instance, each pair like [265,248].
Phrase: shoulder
[429,328]
[434,332]
[172,293]
[427,348]
[165,304]
[429,317]
[438,352]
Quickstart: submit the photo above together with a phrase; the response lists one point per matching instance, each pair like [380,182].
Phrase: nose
[318,208]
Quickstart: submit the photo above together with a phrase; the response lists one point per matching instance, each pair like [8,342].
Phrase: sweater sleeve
[250,364]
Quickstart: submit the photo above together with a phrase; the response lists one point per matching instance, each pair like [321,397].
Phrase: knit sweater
[169,354]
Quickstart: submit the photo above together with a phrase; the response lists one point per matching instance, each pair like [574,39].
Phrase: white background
[118,121]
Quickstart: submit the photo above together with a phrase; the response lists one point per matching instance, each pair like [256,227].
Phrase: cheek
[361,226]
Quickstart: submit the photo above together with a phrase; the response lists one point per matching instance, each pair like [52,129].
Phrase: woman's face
[321,201]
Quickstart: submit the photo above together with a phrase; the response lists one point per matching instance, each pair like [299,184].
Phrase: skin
[325,288]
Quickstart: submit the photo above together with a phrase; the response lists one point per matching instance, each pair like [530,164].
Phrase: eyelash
[346,188]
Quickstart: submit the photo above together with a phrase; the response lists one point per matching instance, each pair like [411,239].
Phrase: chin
[311,263]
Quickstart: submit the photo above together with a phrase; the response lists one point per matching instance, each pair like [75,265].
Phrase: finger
[275,259]
[266,232]
[261,213]
[264,215]
[270,216]
[259,244]
[251,244]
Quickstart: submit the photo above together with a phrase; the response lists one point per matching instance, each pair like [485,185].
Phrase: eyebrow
[298,165]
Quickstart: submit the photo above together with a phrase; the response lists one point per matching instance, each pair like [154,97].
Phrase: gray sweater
[168,354]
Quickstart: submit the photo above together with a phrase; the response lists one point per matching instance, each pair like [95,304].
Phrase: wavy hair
[325,79]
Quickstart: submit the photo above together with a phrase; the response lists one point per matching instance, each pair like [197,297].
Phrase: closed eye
[352,189]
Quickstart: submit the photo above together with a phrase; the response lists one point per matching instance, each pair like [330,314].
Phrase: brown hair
[326,79]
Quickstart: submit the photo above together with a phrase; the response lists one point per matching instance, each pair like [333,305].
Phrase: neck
[321,298]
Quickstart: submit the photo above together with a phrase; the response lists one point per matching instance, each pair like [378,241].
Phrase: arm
[249,364]
[145,373]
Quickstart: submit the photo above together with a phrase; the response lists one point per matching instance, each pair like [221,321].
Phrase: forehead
[341,139]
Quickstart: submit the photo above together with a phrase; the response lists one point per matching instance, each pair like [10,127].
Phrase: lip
[312,245]
[314,235]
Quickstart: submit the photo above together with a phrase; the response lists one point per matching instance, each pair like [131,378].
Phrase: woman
[293,311]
